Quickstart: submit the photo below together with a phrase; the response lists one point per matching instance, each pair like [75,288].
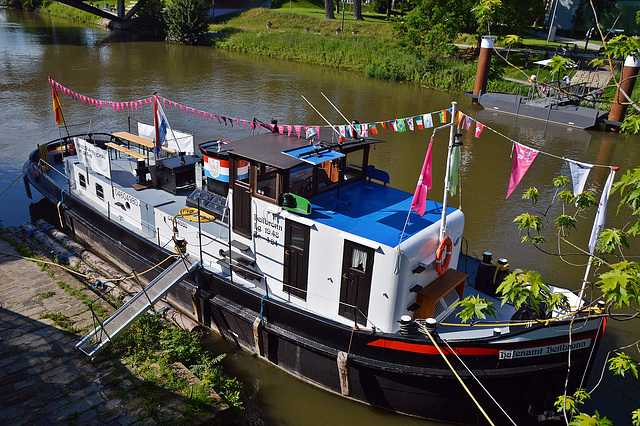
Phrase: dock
[44,379]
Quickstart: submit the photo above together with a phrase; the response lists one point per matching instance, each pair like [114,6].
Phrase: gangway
[94,341]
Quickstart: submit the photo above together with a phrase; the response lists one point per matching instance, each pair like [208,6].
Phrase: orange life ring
[442,264]
[72,148]
[543,88]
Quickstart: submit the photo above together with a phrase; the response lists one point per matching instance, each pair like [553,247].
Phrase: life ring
[543,88]
[442,264]
[72,148]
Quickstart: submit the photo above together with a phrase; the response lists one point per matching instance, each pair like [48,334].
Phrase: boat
[298,250]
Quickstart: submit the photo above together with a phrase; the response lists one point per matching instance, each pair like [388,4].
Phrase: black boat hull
[404,374]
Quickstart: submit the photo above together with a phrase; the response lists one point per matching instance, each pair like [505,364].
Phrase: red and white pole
[484,63]
[628,80]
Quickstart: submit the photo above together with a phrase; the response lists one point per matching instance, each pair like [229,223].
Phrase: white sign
[544,350]
[95,158]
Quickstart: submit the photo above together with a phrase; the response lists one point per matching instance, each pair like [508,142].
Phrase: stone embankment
[43,378]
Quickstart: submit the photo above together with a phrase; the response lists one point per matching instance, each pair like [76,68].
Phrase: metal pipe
[445,199]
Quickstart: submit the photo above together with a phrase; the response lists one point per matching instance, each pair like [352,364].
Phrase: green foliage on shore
[67,12]
[366,47]
[150,346]
[187,21]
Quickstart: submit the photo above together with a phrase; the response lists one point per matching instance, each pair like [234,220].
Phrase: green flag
[454,171]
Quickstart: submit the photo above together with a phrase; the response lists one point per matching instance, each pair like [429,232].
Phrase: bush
[188,21]
[150,18]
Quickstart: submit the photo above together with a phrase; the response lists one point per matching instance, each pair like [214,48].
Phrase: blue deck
[373,211]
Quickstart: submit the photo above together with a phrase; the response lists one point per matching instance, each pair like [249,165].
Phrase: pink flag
[297,128]
[522,159]
[289,130]
[479,129]
[419,202]
[281,129]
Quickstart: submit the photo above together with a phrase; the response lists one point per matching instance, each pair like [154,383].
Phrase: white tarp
[175,140]
[91,156]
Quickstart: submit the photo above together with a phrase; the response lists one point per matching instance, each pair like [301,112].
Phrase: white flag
[579,173]
[601,214]
[427,120]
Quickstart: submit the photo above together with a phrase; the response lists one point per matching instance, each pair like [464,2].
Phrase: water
[104,66]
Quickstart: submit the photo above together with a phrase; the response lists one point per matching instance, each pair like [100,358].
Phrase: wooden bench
[437,289]
[139,140]
[126,151]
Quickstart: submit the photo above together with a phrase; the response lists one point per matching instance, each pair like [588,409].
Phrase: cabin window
[301,180]
[267,181]
[354,165]
[328,174]
[358,259]
[82,181]
[99,191]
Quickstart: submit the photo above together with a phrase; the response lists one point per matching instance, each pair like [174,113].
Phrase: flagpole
[445,199]
[599,213]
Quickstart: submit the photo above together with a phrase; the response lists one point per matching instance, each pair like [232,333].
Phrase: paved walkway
[44,380]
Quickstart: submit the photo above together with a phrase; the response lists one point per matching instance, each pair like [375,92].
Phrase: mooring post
[627,81]
[484,62]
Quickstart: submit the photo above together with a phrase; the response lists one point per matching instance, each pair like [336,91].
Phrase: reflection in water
[94,63]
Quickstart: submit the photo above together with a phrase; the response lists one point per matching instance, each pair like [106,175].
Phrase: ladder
[94,341]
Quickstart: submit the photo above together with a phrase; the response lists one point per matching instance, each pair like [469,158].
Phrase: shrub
[188,21]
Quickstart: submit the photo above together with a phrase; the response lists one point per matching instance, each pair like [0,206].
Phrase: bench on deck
[139,140]
[126,151]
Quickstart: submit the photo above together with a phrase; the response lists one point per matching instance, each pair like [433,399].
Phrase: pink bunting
[182,108]
[298,128]
[164,103]
[253,125]
[218,117]
[245,124]
[200,114]
[281,129]
[289,130]
[522,159]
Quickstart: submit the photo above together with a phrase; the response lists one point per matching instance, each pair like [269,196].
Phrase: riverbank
[45,380]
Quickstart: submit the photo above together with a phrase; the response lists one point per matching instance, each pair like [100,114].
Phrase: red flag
[419,202]
[479,129]
[522,159]
[56,106]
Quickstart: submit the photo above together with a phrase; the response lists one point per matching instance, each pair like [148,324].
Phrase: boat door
[357,267]
[296,258]
[241,199]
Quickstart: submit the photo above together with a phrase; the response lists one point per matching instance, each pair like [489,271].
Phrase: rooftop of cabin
[373,211]
[267,148]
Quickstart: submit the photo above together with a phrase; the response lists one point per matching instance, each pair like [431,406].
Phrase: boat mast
[445,198]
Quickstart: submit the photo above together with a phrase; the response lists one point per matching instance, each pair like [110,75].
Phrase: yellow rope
[193,215]
[527,323]
[457,376]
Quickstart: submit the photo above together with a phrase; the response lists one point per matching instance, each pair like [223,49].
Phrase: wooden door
[357,267]
[296,259]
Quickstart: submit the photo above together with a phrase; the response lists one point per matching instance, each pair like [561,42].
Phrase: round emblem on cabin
[214,167]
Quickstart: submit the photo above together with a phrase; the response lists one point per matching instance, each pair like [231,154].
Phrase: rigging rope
[486,416]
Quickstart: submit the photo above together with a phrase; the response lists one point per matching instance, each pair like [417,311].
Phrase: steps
[92,343]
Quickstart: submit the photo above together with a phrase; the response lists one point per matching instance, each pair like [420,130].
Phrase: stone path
[43,379]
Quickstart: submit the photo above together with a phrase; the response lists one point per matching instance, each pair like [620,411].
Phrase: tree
[150,18]
[510,40]
[328,9]
[188,21]
[357,10]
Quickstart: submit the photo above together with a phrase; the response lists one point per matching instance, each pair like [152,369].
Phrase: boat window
[358,259]
[328,173]
[99,191]
[354,165]
[301,180]
[267,184]
[82,181]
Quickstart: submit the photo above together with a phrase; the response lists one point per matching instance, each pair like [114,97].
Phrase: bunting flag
[56,106]
[467,123]
[443,116]
[479,129]
[384,125]
[392,125]
[522,159]
[373,129]
[419,122]
[410,123]
[401,126]
[601,214]
[579,174]
[428,120]
[419,202]
[343,131]
[459,117]
[454,170]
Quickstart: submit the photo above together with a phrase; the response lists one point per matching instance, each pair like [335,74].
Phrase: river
[102,65]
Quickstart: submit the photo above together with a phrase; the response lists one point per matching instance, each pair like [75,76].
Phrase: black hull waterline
[400,373]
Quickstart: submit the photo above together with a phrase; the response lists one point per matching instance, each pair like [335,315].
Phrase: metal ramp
[94,341]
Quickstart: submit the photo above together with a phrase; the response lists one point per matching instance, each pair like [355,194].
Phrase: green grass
[70,13]
[60,320]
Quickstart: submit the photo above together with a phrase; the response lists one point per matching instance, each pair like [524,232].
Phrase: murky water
[95,63]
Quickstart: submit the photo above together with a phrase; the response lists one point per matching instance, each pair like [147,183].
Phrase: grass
[150,347]
[60,320]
